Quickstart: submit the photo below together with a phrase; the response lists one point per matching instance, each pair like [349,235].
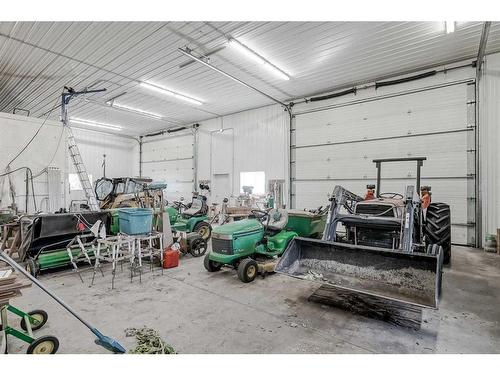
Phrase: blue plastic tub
[135,220]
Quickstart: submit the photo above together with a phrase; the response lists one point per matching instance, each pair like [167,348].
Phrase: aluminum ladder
[81,171]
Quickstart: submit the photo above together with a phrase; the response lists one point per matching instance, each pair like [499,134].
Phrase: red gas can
[170,258]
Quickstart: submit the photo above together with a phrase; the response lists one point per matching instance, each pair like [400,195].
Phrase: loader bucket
[413,278]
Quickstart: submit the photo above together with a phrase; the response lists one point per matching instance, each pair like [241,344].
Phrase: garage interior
[175,180]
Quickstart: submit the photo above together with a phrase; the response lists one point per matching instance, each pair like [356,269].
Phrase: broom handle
[15,265]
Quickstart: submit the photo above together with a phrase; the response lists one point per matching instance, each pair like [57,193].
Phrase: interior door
[221,187]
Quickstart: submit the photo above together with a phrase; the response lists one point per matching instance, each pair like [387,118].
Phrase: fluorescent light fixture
[165,91]
[244,50]
[95,124]
[137,110]
[450,26]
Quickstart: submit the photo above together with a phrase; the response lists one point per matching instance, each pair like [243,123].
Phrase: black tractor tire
[248,269]
[39,315]
[44,345]
[210,265]
[32,267]
[437,229]
[204,229]
[198,247]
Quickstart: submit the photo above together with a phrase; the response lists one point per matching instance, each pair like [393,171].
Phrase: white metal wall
[336,146]
[15,132]
[49,149]
[259,143]
[170,159]
[489,126]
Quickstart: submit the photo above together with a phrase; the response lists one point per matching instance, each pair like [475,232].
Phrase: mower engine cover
[235,240]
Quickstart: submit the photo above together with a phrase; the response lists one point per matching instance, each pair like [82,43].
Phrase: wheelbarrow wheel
[44,345]
[39,315]
[248,270]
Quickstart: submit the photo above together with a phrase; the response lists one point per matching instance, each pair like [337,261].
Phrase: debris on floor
[149,342]
[405,277]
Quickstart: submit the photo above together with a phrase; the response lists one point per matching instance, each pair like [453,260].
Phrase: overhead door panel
[336,146]
[171,160]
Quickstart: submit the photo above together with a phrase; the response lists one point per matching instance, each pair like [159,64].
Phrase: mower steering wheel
[259,214]
[178,204]
[390,195]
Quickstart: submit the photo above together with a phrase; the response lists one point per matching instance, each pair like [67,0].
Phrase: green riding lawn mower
[192,217]
[190,223]
[253,245]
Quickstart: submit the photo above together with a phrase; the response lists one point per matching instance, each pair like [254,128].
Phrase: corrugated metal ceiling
[38,58]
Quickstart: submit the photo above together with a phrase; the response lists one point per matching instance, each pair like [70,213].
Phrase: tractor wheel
[198,247]
[437,228]
[210,265]
[204,229]
[39,315]
[32,267]
[44,345]
[248,270]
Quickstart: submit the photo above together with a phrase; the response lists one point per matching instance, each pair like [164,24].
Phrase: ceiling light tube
[137,110]
[95,124]
[244,50]
[450,26]
[165,91]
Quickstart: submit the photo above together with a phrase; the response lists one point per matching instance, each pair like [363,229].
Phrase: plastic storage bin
[135,220]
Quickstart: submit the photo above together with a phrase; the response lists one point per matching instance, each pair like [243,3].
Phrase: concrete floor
[201,312]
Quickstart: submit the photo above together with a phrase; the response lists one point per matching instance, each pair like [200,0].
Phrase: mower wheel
[204,229]
[32,267]
[437,228]
[39,315]
[198,247]
[44,345]
[248,270]
[210,265]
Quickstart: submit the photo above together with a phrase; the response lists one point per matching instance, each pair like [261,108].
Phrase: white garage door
[171,160]
[336,146]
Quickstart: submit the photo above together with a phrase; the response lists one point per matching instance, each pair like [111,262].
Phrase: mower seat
[278,219]
[195,209]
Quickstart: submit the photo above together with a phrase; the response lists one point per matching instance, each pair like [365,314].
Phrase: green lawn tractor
[191,218]
[253,245]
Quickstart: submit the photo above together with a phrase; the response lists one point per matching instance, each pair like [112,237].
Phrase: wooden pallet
[394,312]
[11,284]
[11,238]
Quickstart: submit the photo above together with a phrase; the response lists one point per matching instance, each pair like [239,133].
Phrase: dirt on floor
[200,312]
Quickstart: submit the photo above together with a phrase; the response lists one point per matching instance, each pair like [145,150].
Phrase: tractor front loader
[392,247]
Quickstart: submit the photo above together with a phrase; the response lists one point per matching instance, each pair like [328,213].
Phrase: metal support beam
[208,54]
[482,47]
[478,193]
[140,155]
[195,158]
[188,53]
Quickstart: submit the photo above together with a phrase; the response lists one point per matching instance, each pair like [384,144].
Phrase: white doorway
[221,187]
